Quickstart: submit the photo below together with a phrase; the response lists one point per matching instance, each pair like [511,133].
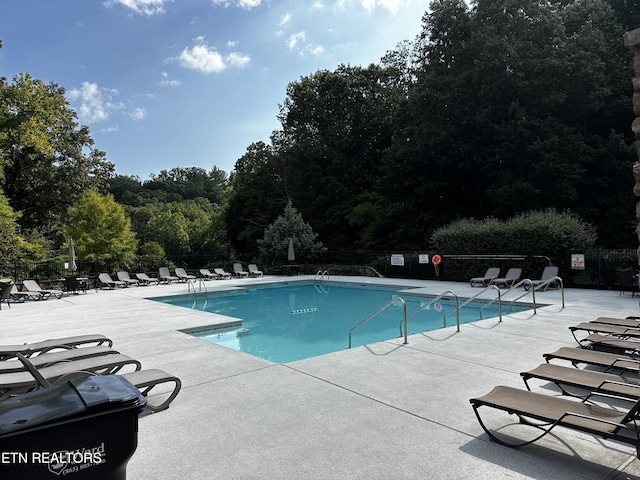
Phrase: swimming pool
[288,322]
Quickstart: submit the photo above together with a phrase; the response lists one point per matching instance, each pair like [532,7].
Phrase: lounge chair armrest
[33,371]
[626,359]
[593,419]
[598,393]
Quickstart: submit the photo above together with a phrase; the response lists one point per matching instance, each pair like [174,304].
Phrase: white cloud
[115,128]
[167,82]
[202,58]
[286,19]
[392,6]
[298,42]
[145,7]
[138,114]
[238,60]
[295,39]
[246,4]
[95,103]
[208,60]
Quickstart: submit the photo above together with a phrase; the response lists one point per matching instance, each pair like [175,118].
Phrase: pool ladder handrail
[319,287]
[320,275]
[448,293]
[490,302]
[384,307]
[191,284]
[532,289]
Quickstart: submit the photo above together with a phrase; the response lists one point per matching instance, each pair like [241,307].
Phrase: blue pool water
[290,322]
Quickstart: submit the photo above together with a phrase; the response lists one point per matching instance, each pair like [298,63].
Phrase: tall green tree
[258,195]
[515,104]
[44,153]
[99,228]
[289,227]
[335,128]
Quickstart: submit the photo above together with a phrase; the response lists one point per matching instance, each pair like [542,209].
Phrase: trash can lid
[78,397]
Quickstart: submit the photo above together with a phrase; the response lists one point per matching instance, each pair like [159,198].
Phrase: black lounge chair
[608,361]
[509,280]
[585,380]
[632,322]
[612,344]
[546,412]
[490,275]
[53,344]
[608,329]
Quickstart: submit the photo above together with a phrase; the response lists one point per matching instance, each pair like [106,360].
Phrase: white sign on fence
[397,259]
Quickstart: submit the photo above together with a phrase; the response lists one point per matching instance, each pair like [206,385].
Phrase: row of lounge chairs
[602,399]
[31,290]
[24,368]
[512,277]
[179,275]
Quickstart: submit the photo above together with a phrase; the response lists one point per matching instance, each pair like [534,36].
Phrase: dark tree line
[500,108]
[494,109]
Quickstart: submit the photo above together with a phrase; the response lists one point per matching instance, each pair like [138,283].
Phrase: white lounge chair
[239,271]
[221,273]
[509,280]
[207,275]
[33,287]
[146,279]
[549,272]
[253,270]
[165,275]
[183,276]
[124,277]
[106,281]
[491,274]
[53,344]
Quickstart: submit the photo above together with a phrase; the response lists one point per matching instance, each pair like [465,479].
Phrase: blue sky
[185,83]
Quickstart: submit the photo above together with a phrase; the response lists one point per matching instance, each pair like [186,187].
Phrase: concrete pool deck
[381,411]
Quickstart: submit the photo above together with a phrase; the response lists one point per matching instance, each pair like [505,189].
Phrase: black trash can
[86,428]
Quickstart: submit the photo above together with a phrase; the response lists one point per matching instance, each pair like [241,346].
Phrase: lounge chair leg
[495,438]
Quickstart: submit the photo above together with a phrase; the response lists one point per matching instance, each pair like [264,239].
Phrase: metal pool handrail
[439,297]
[384,307]
[469,300]
[320,275]
[532,289]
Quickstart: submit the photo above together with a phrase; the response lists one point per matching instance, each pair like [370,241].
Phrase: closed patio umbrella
[72,257]
[291,255]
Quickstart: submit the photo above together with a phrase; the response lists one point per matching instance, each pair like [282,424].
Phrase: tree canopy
[492,110]
[100,228]
[495,109]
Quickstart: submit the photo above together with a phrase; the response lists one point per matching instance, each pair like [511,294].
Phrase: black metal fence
[599,265]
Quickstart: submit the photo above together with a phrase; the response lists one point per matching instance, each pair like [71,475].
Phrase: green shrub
[533,234]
